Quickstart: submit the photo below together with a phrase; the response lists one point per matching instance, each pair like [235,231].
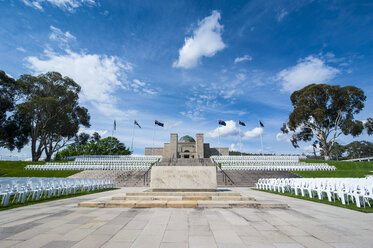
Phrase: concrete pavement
[305,224]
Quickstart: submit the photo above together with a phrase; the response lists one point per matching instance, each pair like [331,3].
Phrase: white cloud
[169,125]
[252,134]
[206,41]
[231,129]
[140,87]
[195,115]
[233,147]
[69,5]
[61,37]
[204,99]
[310,70]
[98,75]
[91,131]
[309,149]
[21,49]
[283,137]
[243,58]
[228,130]
[281,14]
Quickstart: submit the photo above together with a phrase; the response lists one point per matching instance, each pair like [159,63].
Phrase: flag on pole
[137,124]
[158,123]
[241,123]
[222,123]
[261,124]
[115,125]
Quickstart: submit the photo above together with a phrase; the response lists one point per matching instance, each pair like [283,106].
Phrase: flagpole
[261,138]
[239,133]
[153,139]
[111,140]
[218,140]
[261,141]
[133,135]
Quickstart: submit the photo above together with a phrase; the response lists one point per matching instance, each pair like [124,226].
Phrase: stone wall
[223,151]
[156,151]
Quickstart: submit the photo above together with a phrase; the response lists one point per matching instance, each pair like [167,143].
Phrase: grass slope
[351,206]
[344,169]
[16,169]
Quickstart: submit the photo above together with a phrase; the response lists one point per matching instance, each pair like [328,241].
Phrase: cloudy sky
[191,63]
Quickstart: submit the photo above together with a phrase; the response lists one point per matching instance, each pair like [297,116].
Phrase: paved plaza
[305,224]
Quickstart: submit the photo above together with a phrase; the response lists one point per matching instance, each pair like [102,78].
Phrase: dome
[186,138]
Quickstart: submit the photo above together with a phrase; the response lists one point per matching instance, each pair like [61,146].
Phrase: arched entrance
[186,155]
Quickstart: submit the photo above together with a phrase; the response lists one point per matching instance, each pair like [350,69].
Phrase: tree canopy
[43,109]
[323,112]
[359,149]
[13,128]
[106,146]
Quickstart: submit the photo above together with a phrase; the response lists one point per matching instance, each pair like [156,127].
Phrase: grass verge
[27,203]
[16,169]
[351,206]
[343,169]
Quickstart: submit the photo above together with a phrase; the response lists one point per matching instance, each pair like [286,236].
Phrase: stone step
[180,204]
[178,193]
[184,198]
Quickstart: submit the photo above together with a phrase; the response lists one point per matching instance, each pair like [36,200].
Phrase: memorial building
[186,147]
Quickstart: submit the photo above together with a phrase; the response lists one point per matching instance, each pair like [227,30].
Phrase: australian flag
[261,124]
[115,125]
[158,123]
[241,123]
[137,124]
[222,123]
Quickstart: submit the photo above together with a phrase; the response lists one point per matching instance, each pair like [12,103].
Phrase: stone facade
[186,147]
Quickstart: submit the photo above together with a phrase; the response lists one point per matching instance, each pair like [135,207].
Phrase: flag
[115,125]
[261,124]
[241,123]
[136,123]
[222,123]
[158,123]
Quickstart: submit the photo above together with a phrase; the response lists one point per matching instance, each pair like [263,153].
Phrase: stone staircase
[219,199]
[242,178]
[121,178]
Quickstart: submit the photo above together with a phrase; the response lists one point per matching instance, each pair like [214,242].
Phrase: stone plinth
[183,178]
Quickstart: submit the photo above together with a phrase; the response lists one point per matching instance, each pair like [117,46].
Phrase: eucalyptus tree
[13,128]
[51,108]
[359,149]
[324,112]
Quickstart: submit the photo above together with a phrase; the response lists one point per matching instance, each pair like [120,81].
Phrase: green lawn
[16,169]
[337,203]
[344,169]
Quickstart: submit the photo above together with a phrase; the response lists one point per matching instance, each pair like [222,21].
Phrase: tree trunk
[48,157]
[325,148]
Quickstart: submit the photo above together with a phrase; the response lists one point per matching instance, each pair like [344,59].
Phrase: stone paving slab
[226,199]
[303,224]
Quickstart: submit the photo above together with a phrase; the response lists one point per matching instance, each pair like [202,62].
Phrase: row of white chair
[114,157]
[62,166]
[316,167]
[253,163]
[101,162]
[25,189]
[239,158]
[356,190]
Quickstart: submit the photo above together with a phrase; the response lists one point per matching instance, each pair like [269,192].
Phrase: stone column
[199,145]
[173,146]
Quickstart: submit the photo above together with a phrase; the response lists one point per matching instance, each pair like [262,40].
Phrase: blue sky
[190,63]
